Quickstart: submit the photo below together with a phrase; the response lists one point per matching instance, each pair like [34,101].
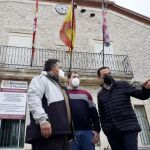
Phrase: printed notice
[13,95]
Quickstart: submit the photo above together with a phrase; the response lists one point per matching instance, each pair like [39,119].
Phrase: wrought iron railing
[20,58]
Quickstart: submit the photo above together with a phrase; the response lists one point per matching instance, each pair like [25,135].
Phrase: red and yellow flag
[68,29]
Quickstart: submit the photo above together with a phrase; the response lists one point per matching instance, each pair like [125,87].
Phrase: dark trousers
[53,143]
[122,140]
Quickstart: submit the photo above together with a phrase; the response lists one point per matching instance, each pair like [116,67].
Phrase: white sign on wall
[13,95]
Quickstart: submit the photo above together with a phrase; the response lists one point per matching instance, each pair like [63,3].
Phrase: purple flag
[104,29]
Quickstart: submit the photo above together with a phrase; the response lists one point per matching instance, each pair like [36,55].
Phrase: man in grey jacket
[48,110]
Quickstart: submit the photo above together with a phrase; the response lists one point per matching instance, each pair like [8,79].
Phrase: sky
[139,6]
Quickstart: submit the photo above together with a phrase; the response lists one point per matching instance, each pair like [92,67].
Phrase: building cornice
[85,79]
[28,76]
[110,5]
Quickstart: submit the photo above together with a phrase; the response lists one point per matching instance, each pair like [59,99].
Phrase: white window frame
[143,121]
[20,40]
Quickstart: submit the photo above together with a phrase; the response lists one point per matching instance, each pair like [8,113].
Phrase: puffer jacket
[115,106]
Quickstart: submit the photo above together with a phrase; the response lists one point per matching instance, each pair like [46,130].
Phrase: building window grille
[12,133]
[143,121]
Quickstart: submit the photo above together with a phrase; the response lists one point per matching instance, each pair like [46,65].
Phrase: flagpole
[103,51]
[103,60]
[72,23]
[34,33]
[70,60]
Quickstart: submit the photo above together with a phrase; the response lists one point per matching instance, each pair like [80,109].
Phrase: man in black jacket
[118,119]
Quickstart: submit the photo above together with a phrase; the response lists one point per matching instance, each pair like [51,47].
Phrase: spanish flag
[68,29]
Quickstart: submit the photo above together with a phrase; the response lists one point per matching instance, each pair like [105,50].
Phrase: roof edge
[110,5]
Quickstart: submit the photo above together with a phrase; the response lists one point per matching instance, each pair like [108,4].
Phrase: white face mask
[61,74]
[75,82]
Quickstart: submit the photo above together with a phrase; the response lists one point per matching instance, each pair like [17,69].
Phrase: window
[12,133]
[98,47]
[20,40]
[109,59]
[143,121]
[18,52]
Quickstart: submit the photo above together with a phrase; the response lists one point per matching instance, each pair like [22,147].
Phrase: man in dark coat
[118,119]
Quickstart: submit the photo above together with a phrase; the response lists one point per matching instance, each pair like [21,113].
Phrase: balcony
[19,59]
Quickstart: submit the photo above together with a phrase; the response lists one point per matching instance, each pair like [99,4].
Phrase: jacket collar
[50,76]
[113,85]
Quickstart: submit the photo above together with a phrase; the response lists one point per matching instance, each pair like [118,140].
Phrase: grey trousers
[53,143]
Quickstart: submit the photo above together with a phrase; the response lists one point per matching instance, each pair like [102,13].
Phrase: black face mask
[108,79]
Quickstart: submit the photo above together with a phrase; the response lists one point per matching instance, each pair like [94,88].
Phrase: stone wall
[128,36]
